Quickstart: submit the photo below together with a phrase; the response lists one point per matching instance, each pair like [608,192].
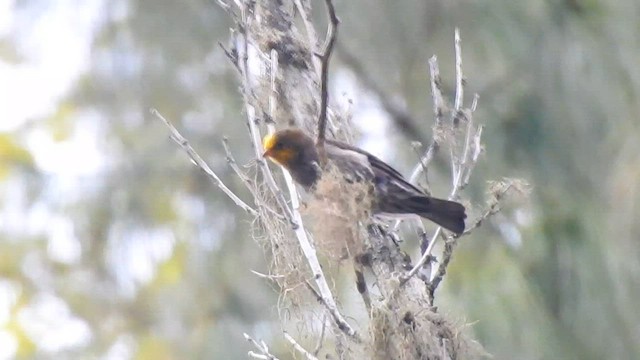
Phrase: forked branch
[332,33]
[199,162]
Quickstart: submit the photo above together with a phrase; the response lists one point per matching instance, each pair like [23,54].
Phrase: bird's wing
[353,165]
[394,194]
[374,161]
[384,174]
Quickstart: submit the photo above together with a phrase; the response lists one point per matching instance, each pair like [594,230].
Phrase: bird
[393,194]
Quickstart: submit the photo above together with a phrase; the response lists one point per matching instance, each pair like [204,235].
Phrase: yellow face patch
[268,142]
[282,155]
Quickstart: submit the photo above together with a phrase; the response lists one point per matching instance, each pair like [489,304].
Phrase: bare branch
[199,162]
[234,165]
[267,276]
[427,253]
[312,258]
[253,128]
[438,111]
[492,209]
[254,355]
[466,167]
[494,203]
[321,337]
[262,347]
[273,95]
[442,267]
[457,107]
[335,314]
[223,4]
[458,166]
[459,99]
[477,150]
[299,347]
[304,10]
[436,90]
[246,180]
[423,260]
[332,33]
[468,144]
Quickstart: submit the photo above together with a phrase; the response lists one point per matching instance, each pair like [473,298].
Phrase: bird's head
[289,146]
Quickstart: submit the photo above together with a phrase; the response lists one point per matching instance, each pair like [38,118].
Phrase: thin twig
[467,143]
[299,347]
[467,166]
[267,276]
[423,259]
[223,4]
[459,99]
[492,209]
[273,94]
[232,55]
[458,167]
[261,346]
[228,9]
[304,10]
[234,165]
[247,181]
[436,90]
[312,258]
[316,351]
[337,317]
[442,267]
[332,33]
[457,105]
[477,150]
[423,163]
[438,112]
[254,355]
[443,344]
[199,162]
[253,128]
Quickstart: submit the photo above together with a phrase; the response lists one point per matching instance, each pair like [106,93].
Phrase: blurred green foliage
[163,271]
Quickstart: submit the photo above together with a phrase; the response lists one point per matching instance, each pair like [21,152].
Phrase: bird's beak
[268,142]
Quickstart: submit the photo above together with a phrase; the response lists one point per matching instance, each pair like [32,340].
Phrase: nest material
[337,211]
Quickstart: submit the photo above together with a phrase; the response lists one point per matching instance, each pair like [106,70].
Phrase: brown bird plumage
[297,152]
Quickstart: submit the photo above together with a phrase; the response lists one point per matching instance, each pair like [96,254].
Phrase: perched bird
[297,152]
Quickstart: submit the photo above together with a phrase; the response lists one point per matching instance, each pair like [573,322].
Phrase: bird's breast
[306,173]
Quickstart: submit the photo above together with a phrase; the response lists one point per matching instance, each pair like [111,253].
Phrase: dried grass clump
[497,189]
[337,210]
[288,268]
[408,329]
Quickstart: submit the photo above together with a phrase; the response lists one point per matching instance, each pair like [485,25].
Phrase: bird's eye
[278,146]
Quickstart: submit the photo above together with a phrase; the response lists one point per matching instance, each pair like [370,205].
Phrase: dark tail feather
[448,214]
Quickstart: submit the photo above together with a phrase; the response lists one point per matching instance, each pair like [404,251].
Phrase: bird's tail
[448,214]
